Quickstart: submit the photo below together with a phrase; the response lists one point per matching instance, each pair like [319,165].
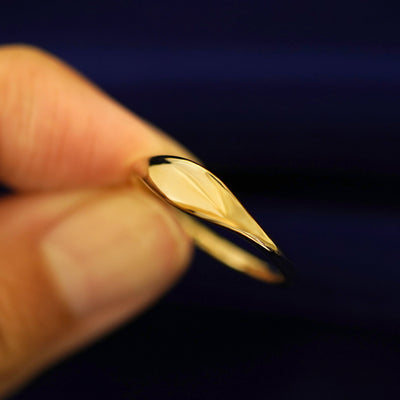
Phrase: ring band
[191,188]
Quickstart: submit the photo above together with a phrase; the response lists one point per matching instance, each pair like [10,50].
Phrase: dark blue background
[295,104]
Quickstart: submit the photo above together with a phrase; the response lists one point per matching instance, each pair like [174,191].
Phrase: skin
[83,245]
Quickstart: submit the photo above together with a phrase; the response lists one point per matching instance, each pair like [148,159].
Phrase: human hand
[79,251]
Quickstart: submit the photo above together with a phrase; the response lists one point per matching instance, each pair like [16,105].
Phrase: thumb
[76,264]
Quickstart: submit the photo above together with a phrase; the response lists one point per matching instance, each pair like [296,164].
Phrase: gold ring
[189,187]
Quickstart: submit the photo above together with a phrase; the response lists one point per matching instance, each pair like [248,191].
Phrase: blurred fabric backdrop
[295,105]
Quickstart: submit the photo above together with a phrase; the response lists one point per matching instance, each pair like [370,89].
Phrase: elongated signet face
[193,189]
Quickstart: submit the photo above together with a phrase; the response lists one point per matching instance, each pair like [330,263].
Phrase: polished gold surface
[193,189]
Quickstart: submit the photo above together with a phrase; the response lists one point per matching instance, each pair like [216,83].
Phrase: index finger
[57,130]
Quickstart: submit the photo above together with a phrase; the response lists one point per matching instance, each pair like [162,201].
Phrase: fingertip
[122,245]
[58,130]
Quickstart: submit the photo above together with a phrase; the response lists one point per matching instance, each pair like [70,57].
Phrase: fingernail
[121,245]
